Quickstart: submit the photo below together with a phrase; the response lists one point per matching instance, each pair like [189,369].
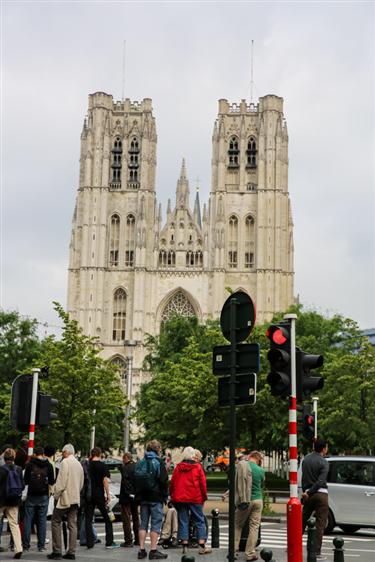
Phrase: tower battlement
[105,101]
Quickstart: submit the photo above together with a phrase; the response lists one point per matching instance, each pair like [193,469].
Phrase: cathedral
[129,271]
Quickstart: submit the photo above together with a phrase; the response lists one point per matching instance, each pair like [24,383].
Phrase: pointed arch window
[167,258]
[129,240]
[114,240]
[194,259]
[116,163]
[233,153]
[121,366]
[119,316]
[233,242]
[249,242]
[251,153]
[133,163]
[179,304]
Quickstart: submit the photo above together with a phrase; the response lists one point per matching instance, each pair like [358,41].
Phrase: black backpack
[14,484]
[38,485]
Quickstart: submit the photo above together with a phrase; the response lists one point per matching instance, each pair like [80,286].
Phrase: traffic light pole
[294,508]
[315,410]
[34,399]
[232,434]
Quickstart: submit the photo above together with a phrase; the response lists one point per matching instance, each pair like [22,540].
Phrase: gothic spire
[182,191]
[197,210]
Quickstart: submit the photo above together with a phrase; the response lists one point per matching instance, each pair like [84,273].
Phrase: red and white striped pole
[294,508]
[34,399]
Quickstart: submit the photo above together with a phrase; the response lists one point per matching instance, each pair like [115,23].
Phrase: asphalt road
[360,546]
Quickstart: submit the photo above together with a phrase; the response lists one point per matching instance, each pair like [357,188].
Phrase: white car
[351,492]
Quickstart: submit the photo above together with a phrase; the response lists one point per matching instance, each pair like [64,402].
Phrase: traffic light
[20,408]
[306,384]
[279,357]
[44,413]
[306,423]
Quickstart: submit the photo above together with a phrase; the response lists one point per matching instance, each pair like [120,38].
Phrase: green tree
[179,404]
[19,346]
[82,382]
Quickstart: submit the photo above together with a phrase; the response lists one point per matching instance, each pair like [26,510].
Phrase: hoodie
[38,476]
[188,484]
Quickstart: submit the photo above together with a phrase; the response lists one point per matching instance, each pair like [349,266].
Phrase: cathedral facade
[128,271]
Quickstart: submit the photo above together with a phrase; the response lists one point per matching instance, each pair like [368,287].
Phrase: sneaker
[127,544]
[174,543]
[204,549]
[321,557]
[97,541]
[113,545]
[157,555]
[41,549]
[141,554]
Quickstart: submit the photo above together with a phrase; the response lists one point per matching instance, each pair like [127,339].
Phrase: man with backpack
[39,476]
[151,485]
[129,509]
[11,486]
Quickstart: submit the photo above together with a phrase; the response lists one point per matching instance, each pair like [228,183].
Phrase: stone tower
[128,272]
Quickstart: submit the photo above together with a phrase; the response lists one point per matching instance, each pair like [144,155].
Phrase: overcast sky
[318,56]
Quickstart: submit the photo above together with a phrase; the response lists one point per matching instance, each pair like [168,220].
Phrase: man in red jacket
[188,492]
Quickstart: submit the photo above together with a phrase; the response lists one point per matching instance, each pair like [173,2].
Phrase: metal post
[129,385]
[311,540]
[232,434]
[127,408]
[215,529]
[266,555]
[34,399]
[315,410]
[294,508]
[338,553]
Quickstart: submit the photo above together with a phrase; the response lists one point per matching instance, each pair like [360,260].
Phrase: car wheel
[331,524]
[349,529]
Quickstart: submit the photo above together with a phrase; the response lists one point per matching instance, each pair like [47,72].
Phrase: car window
[359,473]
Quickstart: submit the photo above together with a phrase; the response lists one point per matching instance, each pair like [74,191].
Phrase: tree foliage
[82,382]
[179,404]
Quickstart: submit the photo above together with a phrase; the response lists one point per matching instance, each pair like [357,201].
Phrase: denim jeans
[153,511]
[82,532]
[35,507]
[197,515]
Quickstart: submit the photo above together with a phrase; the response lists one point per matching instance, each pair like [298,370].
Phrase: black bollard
[311,540]
[215,529]
[338,552]
[188,558]
[266,555]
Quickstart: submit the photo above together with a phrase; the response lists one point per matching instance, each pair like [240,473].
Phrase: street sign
[247,359]
[245,316]
[245,393]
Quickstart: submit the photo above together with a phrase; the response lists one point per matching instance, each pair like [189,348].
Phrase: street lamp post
[130,344]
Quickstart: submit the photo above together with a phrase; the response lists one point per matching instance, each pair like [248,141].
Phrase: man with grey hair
[68,486]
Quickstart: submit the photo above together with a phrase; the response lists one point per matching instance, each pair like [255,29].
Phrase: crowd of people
[79,488]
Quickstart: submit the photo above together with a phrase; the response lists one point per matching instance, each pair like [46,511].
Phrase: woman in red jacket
[188,492]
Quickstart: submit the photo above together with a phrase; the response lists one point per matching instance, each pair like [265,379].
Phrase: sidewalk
[99,553]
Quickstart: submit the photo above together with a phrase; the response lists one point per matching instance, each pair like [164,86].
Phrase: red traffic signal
[279,357]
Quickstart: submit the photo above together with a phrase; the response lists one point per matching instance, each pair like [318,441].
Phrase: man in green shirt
[249,500]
